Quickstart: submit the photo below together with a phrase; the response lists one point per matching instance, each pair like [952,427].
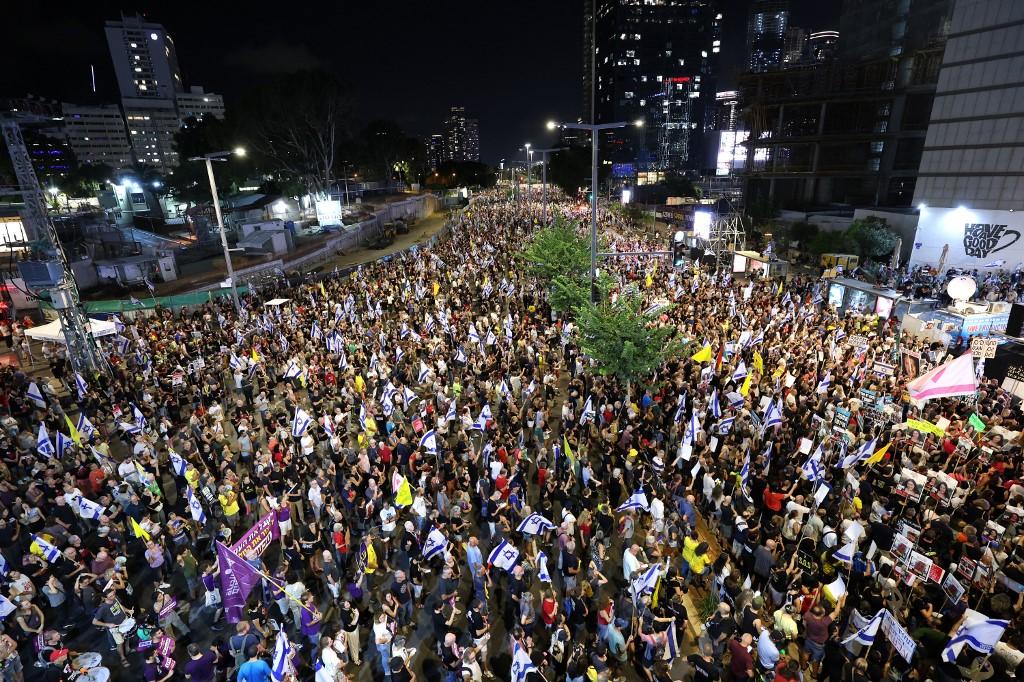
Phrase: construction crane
[83,351]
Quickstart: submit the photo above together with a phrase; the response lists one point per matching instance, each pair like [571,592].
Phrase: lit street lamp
[209,159]
[594,129]
[544,176]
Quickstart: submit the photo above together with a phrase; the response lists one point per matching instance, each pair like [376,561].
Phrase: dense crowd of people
[440,485]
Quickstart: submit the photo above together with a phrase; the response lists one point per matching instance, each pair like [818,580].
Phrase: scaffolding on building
[724,237]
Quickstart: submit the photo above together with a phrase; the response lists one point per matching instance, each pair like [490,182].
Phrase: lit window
[716,50]
[703,53]
[628,95]
[659,79]
[134,44]
[716,43]
[138,69]
[143,87]
[643,102]
[154,36]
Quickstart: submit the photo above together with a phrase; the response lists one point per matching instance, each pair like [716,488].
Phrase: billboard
[976,239]
[623,170]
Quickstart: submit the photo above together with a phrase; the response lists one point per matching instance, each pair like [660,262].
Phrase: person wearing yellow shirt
[192,477]
[695,556]
[229,503]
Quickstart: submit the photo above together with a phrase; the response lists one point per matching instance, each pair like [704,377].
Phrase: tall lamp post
[209,159]
[544,176]
[594,129]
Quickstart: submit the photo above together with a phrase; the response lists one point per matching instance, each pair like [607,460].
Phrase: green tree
[803,232]
[189,183]
[831,242]
[570,169]
[873,237]
[86,179]
[557,251]
[624,341]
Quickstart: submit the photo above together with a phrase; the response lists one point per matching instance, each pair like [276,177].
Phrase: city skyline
[435,59]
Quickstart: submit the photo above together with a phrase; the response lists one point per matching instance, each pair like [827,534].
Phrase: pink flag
[956,377]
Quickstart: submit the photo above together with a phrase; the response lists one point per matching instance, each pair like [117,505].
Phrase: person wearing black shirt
[705,667]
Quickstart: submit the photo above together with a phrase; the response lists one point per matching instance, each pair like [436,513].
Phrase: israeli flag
[429,442]
[282,666]
[812,468]
[293,369]
[460,356]
[979,631]
[452,413]
[362,416]
[588,411]
[740,373]
[637,500]
[671,645]
[680,408]
[328,426]
[195,506]
[772,416]
[104,461]
[645,581]
[504,556]
[300,423]
[846,552]
[234,362]
[4,568]
[140,419]
[408,397]
[50,553]
[864,452]
[824,383]
[745,471]
[522,665]
[35,395]
[81,386]
[485,416]
[473,336]
[315,332]
[7,607]
[491,338]
[542,568]
[866,635]
[435,544]
[716,409]
[691,430]
[88,509]
[43,443]
[63,443]
[424,372]
[399,354]
[177,463]
[534,524]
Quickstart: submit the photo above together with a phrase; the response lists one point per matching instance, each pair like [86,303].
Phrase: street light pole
[595,129]
[209,159]
[544,175]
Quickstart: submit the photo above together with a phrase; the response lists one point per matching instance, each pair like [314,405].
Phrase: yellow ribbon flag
[745,388]
[139,531]
[75,435]
[657,591]
[255,356]
[323,292]
[778,373]
[568,452]
[437,287]
[877,457]
[779,290]
[703,355]
[758,363]
[648,281]
[403,498]
[360,384]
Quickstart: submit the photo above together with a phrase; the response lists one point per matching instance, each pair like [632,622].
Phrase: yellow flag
[75,436]
[369,558]
[877,457]
[745,388]
[302,378]
[778,373]
[779,290]
[648,281]
[657,590]
[437,287]
[255,356]
[323,292]
[568,452]
[703,355]
[403,498]
[758,363]
[360,384]
[139,531]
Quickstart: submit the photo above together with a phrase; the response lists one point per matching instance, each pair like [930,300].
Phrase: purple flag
[237,578]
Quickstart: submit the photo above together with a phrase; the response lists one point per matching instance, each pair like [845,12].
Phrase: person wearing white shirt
[387,519]
[316,499]
[658,514]
[330,662]
[630,562]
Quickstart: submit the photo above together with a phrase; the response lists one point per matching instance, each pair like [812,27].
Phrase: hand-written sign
[984,348]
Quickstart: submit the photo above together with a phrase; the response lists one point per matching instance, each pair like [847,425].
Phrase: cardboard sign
[898,636]
[857,341]
[984,348]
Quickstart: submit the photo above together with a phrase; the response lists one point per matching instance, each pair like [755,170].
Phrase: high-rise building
[794,47]
[822,46]
[656,62]
[154,100]
[435,151]
[96,135]
[767,21]
[850,129]
[970,190]
[198,104]
[461,136]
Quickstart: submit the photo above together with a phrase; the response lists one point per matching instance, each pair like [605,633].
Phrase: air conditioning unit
[41,274]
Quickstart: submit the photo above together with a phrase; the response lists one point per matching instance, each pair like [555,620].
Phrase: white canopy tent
[54,331]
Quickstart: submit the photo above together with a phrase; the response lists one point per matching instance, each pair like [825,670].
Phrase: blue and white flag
[522,665]
[504,556]
[772,416]
[4,568]
[588,411]
[424,372]
[300,422]
[362,417]
[542,568]
[452,413]
[680,408]
[35,395]
[50,553]
[315,332]
[745,471]
[977,630]
[177,462]
[293,369]
[88,509]
[63,443]
[534,524]
[645,581]
[43,443]
[429,442]
[716,408]
[283,653]
[863,452]
[194,505]
[866,635]
[234,362]
[824,383]
[84,427]
[7,607]
[671,645]
[81,386]
[725,426]
[637,500]
[485,416]
[740,373]
[408,397]
[140,419]
[328,426]
[812,468]
[846,552]
[435,544]
[460,356]
[399,354]
[130,427]
[105,462]
[691,430]
[473,336]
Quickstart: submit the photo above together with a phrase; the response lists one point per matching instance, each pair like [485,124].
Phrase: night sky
[513,65]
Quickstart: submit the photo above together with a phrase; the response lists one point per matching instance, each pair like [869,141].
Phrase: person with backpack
[255,669]
[241,642]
